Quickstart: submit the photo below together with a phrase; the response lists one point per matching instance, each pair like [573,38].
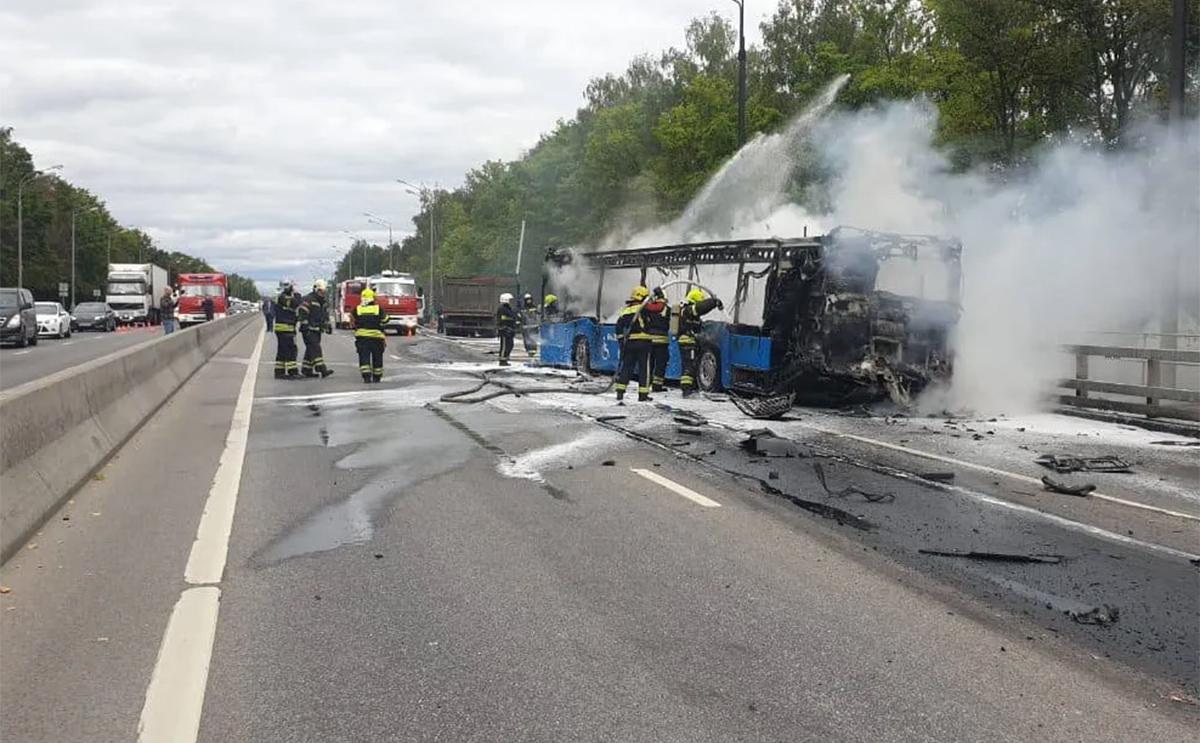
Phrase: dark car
[18,318]
[94,316]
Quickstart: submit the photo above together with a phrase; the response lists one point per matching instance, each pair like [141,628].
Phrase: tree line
[48,203]
[1005,75]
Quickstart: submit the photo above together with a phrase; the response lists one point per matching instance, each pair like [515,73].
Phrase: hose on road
[507,388]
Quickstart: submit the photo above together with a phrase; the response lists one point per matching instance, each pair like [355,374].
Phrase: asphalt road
[50,355]
[404,569]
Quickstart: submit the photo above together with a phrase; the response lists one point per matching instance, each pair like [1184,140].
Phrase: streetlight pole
[357,239]
[373,219]
[21,222]
[741,71]
[425,193]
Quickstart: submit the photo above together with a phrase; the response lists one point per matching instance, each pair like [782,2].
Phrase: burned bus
[851,316]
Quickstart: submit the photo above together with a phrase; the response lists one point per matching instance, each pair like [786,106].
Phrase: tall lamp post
[357,239]
[74,215]
[21,223]
[373,219]
[741,71]
[426,194]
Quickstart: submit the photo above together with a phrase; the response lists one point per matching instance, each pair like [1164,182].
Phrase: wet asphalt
[406,569]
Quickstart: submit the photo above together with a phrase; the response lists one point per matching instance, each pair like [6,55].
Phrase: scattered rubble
[844,492]
[1096,615]
[937,476]
[1055,486]
[764,442]
[997,556]
[1063,463]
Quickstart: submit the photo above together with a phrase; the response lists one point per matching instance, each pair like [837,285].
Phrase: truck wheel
[708,371]
[581,357]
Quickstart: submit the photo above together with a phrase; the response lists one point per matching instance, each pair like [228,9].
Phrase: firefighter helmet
[639,293]
[368,295]
[505,298]
[319,285]
[696,295]
[549,300]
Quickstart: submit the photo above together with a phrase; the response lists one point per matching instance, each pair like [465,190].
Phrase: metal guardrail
[1153,393]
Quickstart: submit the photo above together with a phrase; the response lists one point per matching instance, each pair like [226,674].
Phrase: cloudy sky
[253,133]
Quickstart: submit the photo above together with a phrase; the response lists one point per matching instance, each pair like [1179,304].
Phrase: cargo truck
[133,291]
[468,303]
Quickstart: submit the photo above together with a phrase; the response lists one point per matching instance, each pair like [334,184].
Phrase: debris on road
[821,509]
[1066,463]
[997,556]
[1176,442]
[5,589]
[1095,615]
[610,418]
[937,476]
[693,421]
[764,442]
[608,463]
[1055,486]
[688,430]
[763,407]
[844,492]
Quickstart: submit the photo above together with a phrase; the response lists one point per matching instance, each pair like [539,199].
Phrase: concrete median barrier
[55,432]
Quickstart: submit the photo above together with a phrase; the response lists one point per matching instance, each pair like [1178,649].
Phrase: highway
[323,560]
[51,355]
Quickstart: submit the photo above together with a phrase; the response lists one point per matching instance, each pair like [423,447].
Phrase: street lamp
[373,219]
[741,71]
[75,213]
[424,192]
[20,223]
[357,238]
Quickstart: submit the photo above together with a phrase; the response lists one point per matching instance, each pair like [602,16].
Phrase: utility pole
[427,196]
[520,249]
[1170,298]
[741,71]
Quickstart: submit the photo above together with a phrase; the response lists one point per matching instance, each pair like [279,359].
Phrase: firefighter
[507,321]
[314,320]
[286,305]
[658,325]
[635,343]
[529,324]
[369,322]
[550,307]
[697,304]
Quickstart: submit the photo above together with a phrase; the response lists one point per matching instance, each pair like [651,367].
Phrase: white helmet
[319,285]
[505,298]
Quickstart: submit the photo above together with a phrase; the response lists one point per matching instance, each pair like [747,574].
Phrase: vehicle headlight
[13,321]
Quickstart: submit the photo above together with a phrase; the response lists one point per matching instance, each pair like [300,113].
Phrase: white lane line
[67,343]
[675,487]
[20,353]
[994,471]
[175,696]
[206,562]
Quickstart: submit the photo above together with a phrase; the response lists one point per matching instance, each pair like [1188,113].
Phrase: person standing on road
[529,324]
[286,305]
[166,311]
[696,305]
[369,323]
[268,310]
[635,346]
[507,321]
[207,306]
[657,314]
[314,320]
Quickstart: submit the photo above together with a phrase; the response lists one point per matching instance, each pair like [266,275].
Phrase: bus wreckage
[850,317]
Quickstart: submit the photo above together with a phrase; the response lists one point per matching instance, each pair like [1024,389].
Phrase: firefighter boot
[325,372]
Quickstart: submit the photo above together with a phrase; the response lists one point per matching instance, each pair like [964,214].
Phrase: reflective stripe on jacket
[689,318]
[369,321]
[285,312]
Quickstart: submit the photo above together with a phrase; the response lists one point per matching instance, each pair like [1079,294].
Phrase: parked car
[53,319]
[94,316]
[18,318]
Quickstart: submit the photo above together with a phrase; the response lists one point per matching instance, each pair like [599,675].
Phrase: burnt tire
[581,356]
[708,370]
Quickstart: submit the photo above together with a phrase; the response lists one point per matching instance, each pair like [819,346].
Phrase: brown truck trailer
[468,303]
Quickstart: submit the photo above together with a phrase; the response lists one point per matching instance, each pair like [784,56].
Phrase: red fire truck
[193,289]
[348,293]
[397,295]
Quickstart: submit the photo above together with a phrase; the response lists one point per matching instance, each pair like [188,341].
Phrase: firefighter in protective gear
[530,324]
[314,320]
[507,322]
[696,305]
[369,323]
[658,325]
[550,307]
[286,305]
[636,346]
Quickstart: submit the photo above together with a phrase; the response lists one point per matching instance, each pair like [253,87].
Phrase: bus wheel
[708,371]
[581,357]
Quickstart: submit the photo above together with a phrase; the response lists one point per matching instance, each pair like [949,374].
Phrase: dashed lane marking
[676,488]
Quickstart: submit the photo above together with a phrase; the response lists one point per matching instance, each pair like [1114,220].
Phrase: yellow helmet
[550,298]
[639,293]
[368,295]
[695,295]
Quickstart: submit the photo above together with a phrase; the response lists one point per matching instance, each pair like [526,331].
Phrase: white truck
[133,291]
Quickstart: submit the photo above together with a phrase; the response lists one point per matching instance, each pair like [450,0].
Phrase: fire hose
[507,388]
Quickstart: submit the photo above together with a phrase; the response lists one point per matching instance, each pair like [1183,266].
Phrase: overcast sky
[252,133]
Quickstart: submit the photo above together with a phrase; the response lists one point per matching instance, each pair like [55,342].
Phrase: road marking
[20,353]
[67,343]
[675,487]
[175,696]
[994,471]
[206,563]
